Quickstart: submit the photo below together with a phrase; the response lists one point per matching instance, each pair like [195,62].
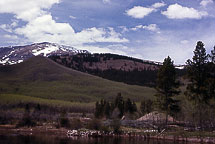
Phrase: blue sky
[146,29]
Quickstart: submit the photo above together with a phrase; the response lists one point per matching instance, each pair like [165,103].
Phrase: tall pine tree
[167,86]
[197,73]
[211,74]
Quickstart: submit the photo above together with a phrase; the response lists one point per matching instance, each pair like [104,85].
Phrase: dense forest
[132,71]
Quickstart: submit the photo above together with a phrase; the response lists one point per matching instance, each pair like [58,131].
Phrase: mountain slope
[17,54]
[113,67]
[41,77]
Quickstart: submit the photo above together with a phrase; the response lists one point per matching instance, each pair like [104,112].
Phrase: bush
[27,118]
[64,121]
[95,124]
[146,106]
[115,124]
[76,124]
[26,121]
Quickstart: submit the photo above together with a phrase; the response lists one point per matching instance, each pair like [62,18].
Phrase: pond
[15,139]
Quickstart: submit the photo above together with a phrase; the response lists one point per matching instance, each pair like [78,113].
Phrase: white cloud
[42,27]
[177,11]
[106,1]
[93,35]
[184,42]
[14,23]
[124,29]
[9,27]
[14,37]
[166,44]
[151,27]
[6,28]
[26,10]
[139,12]
[118,46]
[114,49]
[204,3]
[158,5]
[136,27]
[72,17]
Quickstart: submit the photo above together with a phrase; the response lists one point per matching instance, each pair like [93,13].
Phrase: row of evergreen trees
[114,109]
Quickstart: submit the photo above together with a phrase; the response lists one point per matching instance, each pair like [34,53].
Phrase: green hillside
[14,99]
[41,77]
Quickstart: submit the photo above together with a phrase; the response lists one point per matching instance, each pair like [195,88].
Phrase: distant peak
[17,54]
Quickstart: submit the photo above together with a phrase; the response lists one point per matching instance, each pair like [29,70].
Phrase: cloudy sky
[146,29]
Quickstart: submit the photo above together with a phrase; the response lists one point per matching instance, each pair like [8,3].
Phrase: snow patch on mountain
[16,54]
[45,51]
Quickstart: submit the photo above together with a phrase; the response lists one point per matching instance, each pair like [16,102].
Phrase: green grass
[198,134]
[42,78]
[12,99]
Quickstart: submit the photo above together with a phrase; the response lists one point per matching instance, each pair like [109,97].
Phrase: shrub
[27,118]
[26,121]
[115,124]
[64,121]
[95,124]
[76,124]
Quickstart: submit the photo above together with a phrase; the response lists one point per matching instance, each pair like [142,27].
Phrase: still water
[54,140]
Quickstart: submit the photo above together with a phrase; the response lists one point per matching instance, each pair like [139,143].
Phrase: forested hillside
[113,67]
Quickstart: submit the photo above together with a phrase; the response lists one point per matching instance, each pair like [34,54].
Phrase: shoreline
[11,130]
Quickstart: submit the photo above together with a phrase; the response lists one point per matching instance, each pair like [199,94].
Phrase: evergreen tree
[38,108]
[103,108]
[197,72]
[107,110]
[119,103]
[133,108]
[211,69]
[27,108]
[166,86]
[174,108]
[212,55]
[146,106]
[27,119]
[128,106]
[97,110]
[143,107]
[149,106]
[118,108]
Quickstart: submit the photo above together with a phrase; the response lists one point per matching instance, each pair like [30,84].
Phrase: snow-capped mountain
[17,54]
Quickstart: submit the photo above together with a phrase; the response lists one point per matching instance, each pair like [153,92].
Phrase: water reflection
[56,140]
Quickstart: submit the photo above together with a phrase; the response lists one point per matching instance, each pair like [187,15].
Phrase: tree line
[114,109]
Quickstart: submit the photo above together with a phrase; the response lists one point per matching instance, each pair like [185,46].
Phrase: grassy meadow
[40,80]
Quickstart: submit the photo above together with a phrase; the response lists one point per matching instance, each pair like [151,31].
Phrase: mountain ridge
[109,66]
[17,54]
